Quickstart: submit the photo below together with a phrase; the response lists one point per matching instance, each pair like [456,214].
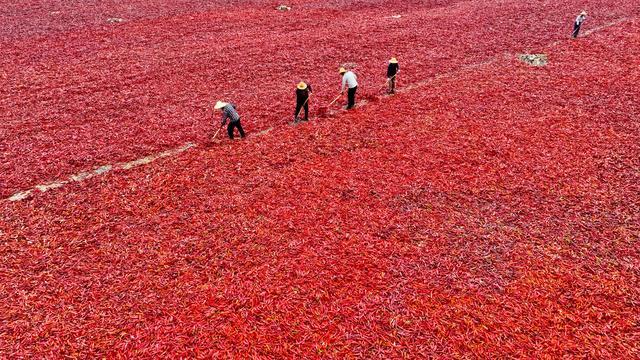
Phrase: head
[342,70]
[583,13]
[301,85]
[393,60]
[219,105]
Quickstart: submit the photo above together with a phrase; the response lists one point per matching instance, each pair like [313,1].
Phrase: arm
[225,115]
[344,81]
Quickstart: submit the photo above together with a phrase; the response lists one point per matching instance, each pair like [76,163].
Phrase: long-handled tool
[386,84]
[376,95]
[213,119]
[216,134]
[334,100]
[323,110]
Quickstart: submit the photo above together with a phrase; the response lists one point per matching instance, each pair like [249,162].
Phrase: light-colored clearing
[101,170]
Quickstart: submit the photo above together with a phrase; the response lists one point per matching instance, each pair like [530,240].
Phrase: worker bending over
[576,25]
[303,91]
[229,113]
[392,73]
[351,81]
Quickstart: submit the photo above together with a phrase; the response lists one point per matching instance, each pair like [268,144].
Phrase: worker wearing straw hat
[576,25]
[392,73]
[350,80]
[229,113]
[303,91]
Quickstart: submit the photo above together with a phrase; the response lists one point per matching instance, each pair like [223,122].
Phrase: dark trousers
[392,85]
[576,30]
[299,105]
[351,95]
[231,126]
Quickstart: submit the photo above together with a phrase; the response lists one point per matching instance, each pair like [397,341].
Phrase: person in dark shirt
[303,91]
[392,73]
[229,113]
[576,25]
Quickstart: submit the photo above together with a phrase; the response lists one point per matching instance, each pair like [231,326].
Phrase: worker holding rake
[229,113]
[350,80]
[392,73]
[576,25]
[303,91]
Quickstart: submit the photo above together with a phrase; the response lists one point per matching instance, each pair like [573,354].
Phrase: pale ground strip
[173,152]
[81,176]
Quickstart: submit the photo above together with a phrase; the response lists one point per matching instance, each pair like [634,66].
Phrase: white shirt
[349,79]
[580,19]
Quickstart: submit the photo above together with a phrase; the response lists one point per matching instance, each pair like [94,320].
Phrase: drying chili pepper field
[489,209]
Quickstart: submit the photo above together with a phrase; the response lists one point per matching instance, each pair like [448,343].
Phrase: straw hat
[220,105]
[393,60]
[342,70]
[301,85]
[584,12]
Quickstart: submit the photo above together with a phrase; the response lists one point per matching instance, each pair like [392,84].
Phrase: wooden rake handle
[336,99]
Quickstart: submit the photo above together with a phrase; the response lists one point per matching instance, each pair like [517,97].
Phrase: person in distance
[392,73]
[576,25]
[303,91]
[229,113]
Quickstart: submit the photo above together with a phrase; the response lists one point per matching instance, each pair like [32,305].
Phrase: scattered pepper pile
[489,211]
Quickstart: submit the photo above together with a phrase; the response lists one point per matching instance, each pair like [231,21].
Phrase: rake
[323,110]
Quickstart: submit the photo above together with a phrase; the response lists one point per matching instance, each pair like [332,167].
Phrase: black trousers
[232,125]
[392,84]
[351,95]
[576,30]
[299,105]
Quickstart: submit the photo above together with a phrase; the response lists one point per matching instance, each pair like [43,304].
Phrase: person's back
[230,112]
[392,69]
[350,79]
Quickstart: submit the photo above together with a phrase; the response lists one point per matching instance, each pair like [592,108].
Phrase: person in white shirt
[351,81]
[576,25]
